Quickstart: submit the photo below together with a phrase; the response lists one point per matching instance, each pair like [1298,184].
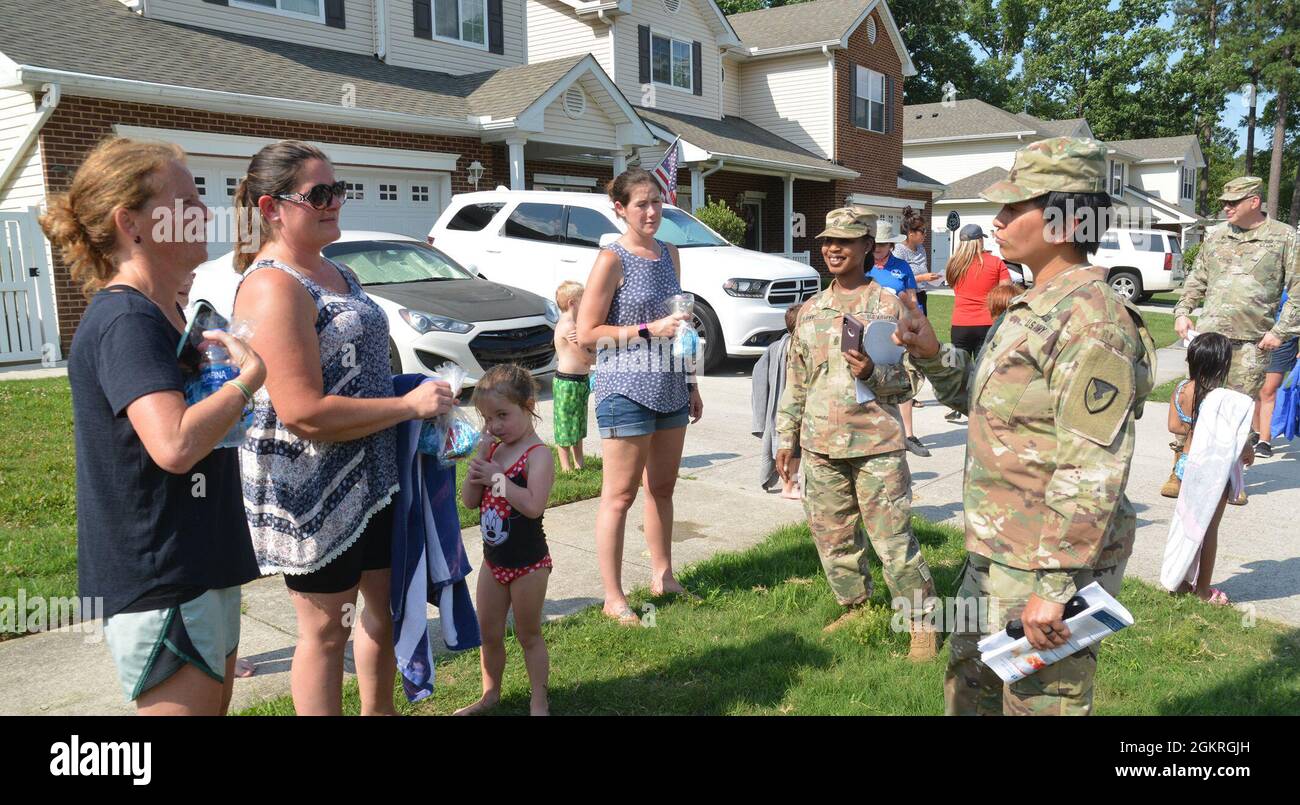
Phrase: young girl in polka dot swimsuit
[509,483]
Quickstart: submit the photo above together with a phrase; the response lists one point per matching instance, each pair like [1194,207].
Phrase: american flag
[666,173]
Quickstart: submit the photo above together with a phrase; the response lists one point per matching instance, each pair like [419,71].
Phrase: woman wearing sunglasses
[320,466]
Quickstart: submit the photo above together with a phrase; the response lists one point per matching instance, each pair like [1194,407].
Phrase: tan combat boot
[1173,486]
[925,643]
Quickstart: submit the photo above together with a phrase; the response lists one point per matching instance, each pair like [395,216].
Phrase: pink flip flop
[1218,598]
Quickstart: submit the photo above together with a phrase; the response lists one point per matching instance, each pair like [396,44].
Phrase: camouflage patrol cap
[1057,164]
[1242,187]
[849,222]
[887,232]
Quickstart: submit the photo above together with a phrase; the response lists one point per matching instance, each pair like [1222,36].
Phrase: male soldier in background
[1240,272]
[853,454]
[1051,434]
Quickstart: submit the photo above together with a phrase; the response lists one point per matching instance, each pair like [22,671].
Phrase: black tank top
[509,538]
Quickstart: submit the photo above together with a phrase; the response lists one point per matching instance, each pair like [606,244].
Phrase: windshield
[683,231]
[384,262]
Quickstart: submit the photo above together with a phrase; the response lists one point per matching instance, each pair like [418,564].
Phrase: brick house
[411,110]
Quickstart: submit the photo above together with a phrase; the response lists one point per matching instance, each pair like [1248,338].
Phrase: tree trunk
[1279,144]
[1206,133]
[1250,126]
[1295,196]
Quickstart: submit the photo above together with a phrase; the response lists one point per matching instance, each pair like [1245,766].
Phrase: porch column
[788,227]
[620,162]
[697,189]
[515,146]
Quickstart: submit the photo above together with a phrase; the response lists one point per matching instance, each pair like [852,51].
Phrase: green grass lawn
[754,645]
[38,511]
[1161,325]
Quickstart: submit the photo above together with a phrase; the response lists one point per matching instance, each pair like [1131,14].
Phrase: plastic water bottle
[215,370]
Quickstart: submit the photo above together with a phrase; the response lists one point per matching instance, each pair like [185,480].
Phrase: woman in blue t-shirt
[161,534]
[895,274]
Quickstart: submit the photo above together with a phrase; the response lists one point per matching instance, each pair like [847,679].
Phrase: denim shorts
[618,416]
[1283,358]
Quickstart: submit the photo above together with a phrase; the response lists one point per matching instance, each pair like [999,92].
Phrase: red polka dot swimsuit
[513,545]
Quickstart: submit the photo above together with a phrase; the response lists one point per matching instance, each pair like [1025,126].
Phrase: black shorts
[970,337]
[373,550]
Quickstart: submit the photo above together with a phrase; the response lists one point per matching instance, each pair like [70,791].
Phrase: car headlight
[427,322]
[552,311]
[746,288]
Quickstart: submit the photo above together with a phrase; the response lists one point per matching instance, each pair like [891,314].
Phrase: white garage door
[406,202]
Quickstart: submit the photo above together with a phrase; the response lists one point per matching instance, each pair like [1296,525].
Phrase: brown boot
[1240,499]
[1173,486]
[925,643]
[851,613]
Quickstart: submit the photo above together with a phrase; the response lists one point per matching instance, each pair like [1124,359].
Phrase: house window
[388,192]
[1116,178]
[231,185]
[461,20]
[307,9]
[670,62]
[201,184]
[869,100]
[356,191]
[1189,182]
[419,192]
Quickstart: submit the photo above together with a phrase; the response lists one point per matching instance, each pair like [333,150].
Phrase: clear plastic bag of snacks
[456,434]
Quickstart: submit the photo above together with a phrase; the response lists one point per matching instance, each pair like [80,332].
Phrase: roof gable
[1164,148]
[813,24]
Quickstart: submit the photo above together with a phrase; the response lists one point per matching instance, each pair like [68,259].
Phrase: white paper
[1191,334]
[865,394]
[1014,659]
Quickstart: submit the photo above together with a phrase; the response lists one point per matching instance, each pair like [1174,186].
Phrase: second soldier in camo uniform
[1051,403]
[1239,274]
[855,470]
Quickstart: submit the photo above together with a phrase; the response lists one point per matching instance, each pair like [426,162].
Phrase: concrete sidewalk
[720,508]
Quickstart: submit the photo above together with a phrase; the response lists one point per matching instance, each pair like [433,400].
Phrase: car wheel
[706,324]
[1127,285]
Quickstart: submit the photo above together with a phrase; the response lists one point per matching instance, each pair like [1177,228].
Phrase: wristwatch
[644,331]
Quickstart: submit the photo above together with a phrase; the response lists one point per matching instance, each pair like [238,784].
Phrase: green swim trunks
[570,393]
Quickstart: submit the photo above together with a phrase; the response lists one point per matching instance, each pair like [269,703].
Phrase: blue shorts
[1283,358]
[618,416]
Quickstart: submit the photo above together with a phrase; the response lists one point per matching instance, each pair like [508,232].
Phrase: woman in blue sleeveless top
[644,396]
[319,465]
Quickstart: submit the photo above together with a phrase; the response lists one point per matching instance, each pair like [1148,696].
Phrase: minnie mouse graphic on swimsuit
[493,525]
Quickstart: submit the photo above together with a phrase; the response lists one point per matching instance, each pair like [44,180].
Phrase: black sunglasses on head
[319,197]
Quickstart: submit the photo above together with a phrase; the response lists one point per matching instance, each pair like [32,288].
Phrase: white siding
[792,98]
[689,25]
[1163,180]
[405,50]
[982,214]
[731,79]
[948,162]
[27,185]
[554,32]
[358,37]
[592,129]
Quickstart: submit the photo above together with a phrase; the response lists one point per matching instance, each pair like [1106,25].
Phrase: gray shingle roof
[912,175]
[1158,147]
[973,185]
[799,24]
[1055,128]
[737,137]
[967,117]
[104,38]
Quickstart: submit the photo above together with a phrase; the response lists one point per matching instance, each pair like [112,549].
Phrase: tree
[1198,24]
[1279,59]
[999,29]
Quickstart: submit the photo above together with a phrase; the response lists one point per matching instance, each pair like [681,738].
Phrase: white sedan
[437,311]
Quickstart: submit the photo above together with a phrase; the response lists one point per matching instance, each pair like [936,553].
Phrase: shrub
[1189,256]
[722,219]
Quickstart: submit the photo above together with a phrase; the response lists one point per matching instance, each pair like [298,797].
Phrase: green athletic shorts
[148,647]
[570,394]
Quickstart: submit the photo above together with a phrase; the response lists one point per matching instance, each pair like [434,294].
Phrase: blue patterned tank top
[644,373]
[308,501]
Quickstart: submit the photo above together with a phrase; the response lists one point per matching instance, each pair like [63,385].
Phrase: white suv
[1142,262]
[536,239]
